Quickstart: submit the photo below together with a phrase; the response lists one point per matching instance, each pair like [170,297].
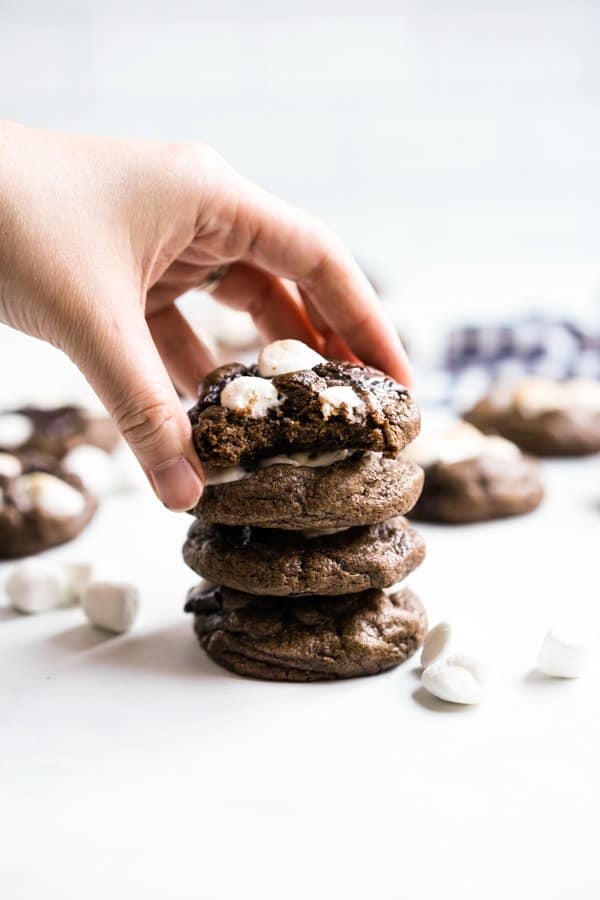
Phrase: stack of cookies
[300,532]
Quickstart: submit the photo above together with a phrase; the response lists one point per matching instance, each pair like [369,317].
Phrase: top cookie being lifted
[294,401]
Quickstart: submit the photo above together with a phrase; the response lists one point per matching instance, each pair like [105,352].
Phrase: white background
[456,148]
[454,144]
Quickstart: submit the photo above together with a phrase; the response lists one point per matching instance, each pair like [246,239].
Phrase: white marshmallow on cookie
[459,442]
[340,400]
[15,430]
[584,393]
[10,466]
[250,396]
[51,495]
[535,396]
[282,357]
[94,466]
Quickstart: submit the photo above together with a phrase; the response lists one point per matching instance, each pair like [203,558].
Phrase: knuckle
[143,424]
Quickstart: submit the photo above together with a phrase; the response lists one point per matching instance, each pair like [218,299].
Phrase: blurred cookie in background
[56,430]
[543,416]
[472,477]
[40,505]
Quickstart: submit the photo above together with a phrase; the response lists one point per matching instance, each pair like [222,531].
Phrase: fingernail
[176,484]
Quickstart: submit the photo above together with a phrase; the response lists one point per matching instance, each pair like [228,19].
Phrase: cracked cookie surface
[282,563]
[307,639]
[381,417]
[364,489]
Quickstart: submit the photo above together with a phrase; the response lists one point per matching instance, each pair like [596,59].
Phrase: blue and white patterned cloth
[476,357]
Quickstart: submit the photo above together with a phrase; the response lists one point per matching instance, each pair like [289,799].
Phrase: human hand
[98,237]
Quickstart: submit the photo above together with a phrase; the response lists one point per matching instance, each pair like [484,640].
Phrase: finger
[288,243]
[121,362]
[334,347]
[186,358]
[272,305]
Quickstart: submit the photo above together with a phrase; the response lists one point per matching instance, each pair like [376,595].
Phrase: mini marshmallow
[10,466]
[112,605]
[250,395]
[35,586]
[285,356]
[458,442]
[496,447]
[338,400]
[566,650]
[584,393]
[457,678]
[536,395]
[51,496]
[462,635]
[95,467]
[15,430]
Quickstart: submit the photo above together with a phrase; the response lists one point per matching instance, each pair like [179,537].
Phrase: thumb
[123,366]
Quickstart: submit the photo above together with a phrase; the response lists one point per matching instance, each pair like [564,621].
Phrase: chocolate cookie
[559,433]
[478,489]
[55,431]
[40,507]
[266,561]
[307,639]
[364,489]
[544,417]
[330,406]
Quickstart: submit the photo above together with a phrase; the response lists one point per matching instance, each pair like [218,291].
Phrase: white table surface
[134,767]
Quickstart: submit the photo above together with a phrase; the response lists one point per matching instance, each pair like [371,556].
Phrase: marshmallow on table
[460,635]
[455,661]
[456,678]
[250,395]
[282,357]
[112,605]
[35,586]
[566,650]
